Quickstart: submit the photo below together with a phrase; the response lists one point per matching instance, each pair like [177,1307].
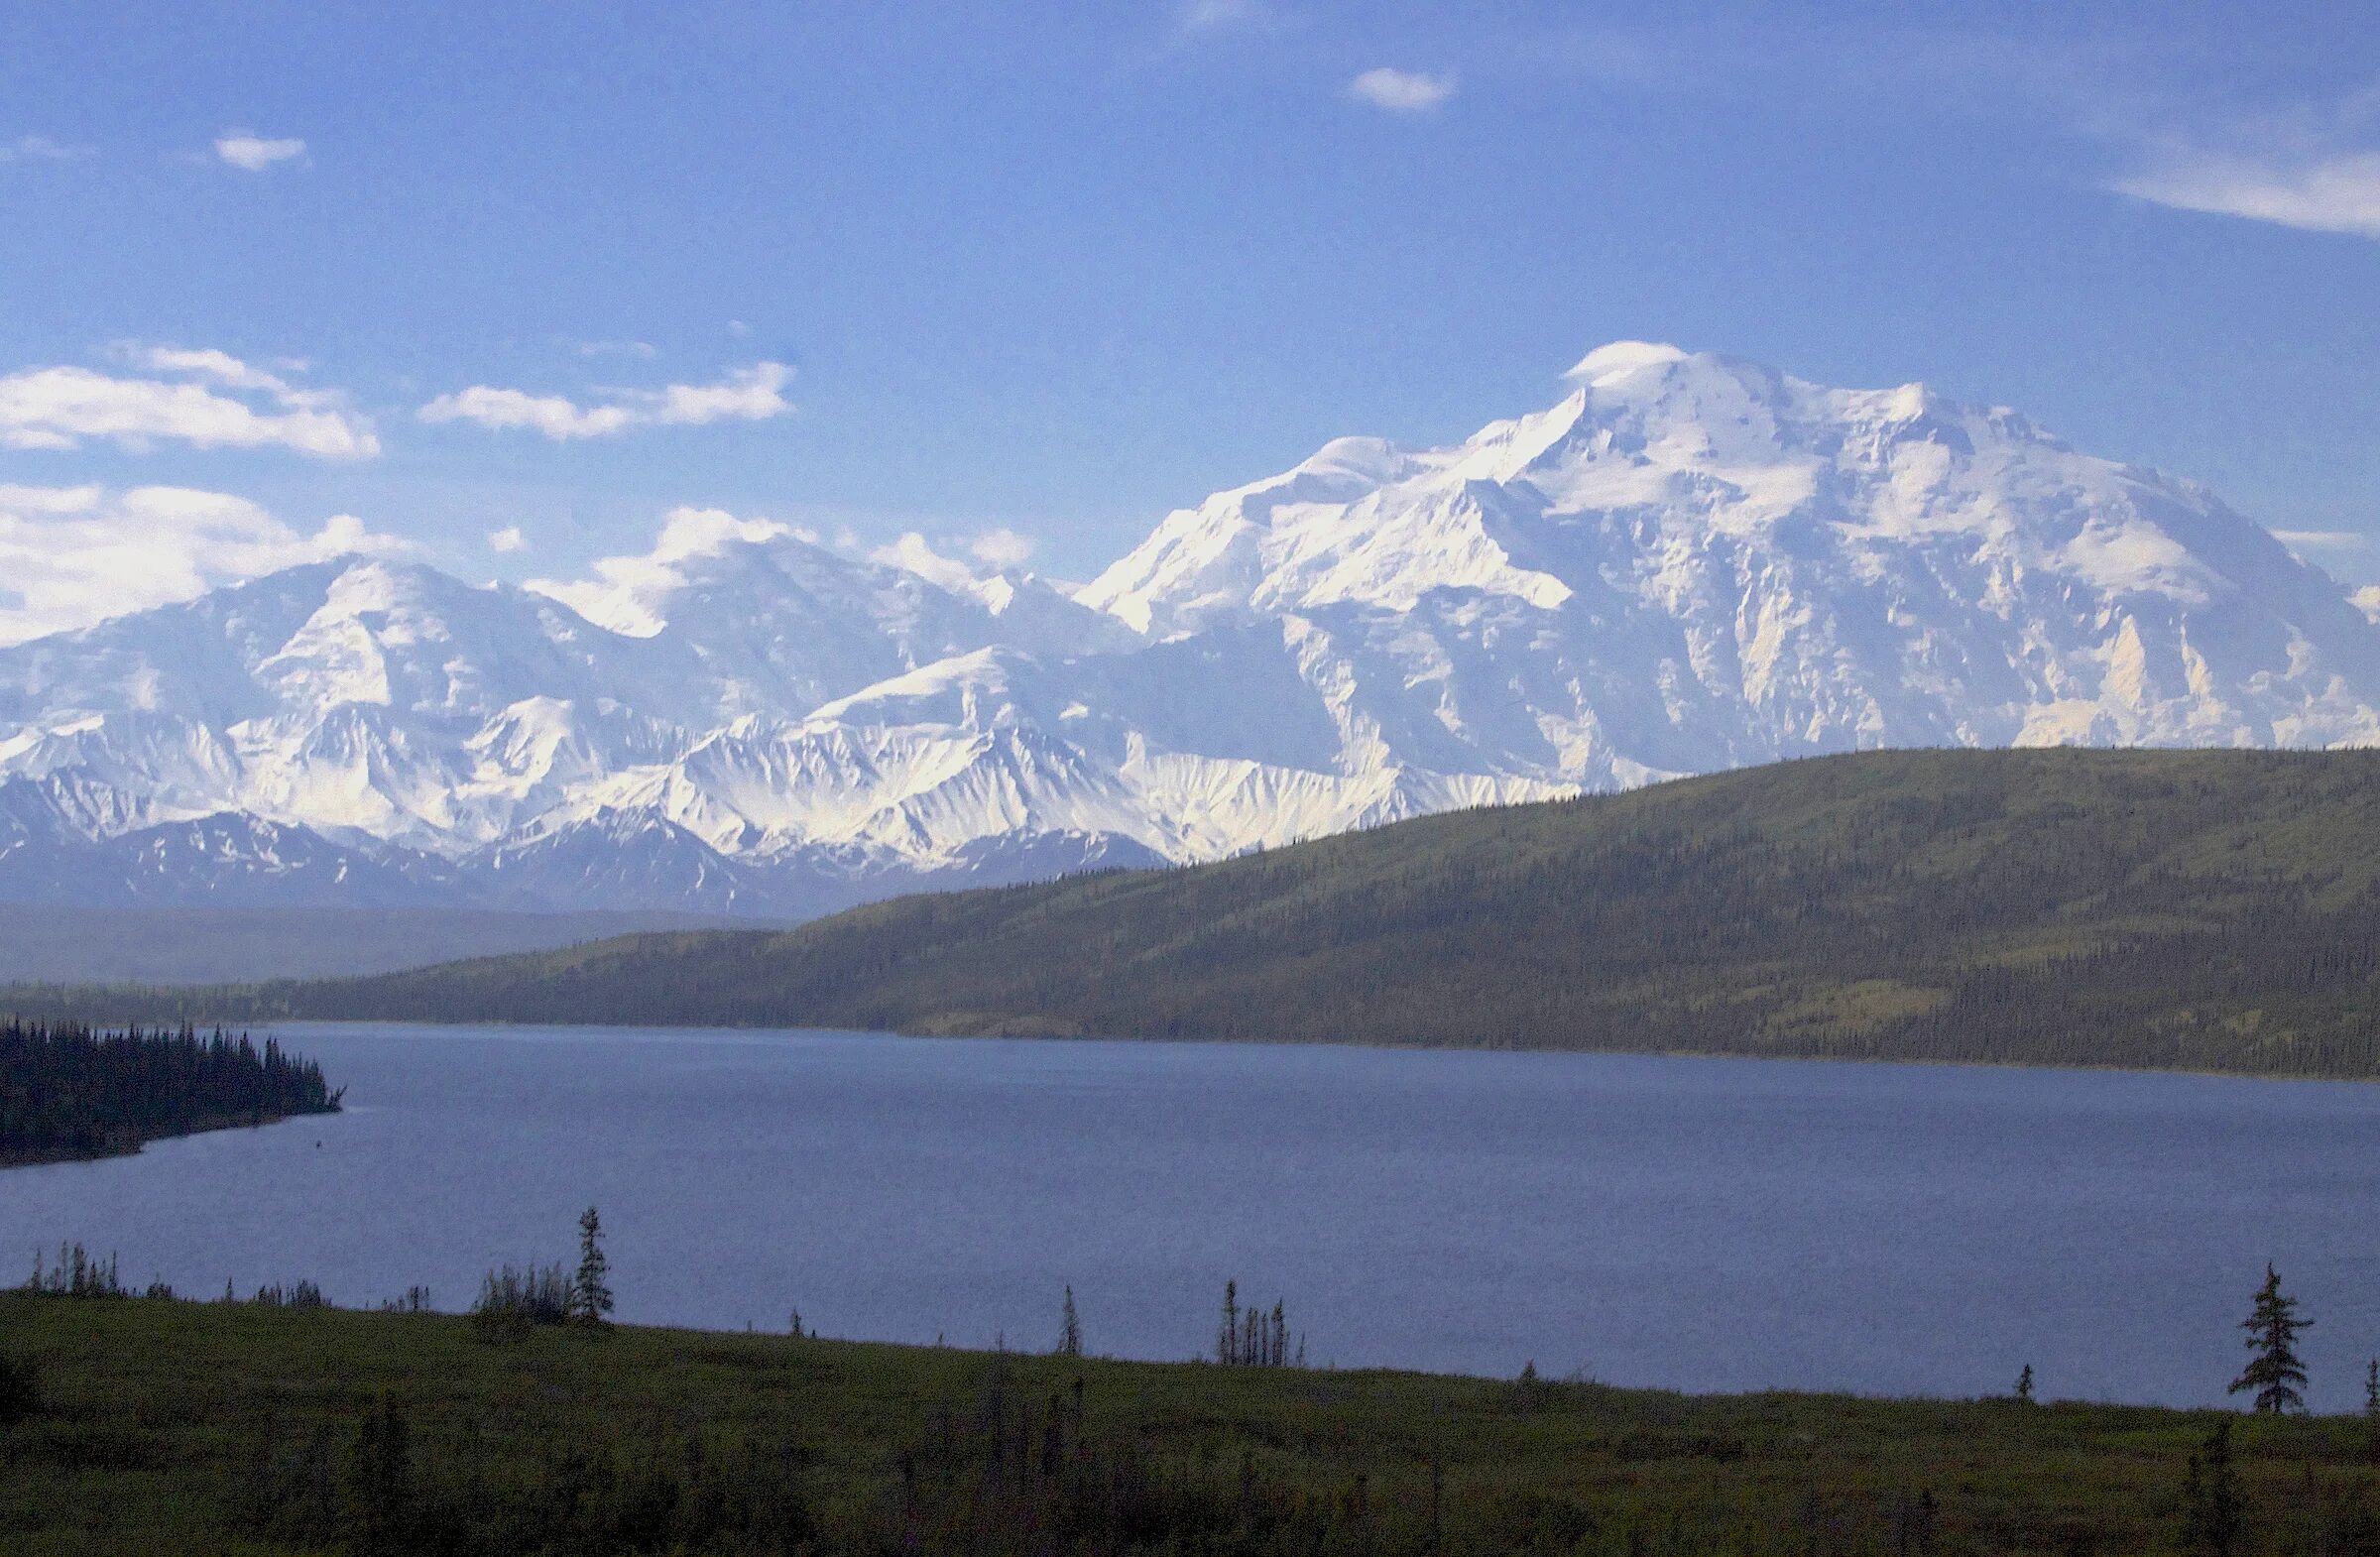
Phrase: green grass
[155,1410]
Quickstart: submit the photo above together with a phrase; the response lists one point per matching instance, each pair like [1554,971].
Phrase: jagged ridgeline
[70,1091]
[2215,910]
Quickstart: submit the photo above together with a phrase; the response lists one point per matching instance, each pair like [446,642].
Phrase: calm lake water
[1698,1223]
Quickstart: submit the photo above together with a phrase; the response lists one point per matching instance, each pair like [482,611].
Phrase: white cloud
[221,366]
[2337,193]
[508,539]
[70,556]
[641,349]
[501,408]
[1401,91]
[631,593]
[42,149]
[240,408]
[917,555]
[626,592]
[751,394]
[1002,548]
[253,152]
[995,551]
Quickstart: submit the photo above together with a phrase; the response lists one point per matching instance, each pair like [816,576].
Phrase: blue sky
[546,272]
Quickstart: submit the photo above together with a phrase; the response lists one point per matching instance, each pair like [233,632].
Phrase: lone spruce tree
[590,1297]
[1070,1329]
[2273,1373]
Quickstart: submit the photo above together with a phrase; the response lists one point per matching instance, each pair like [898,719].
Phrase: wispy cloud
[506,409]
[70,556]
[632,592]
[753,393]
[253,152]
[1401,91]
[206,398]
[639,349]
[42,149]
[206,363]
[1208,16]
[2336,192]
[629,592]
[507,539]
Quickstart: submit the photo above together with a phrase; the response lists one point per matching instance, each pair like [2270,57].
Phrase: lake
[1700,1223]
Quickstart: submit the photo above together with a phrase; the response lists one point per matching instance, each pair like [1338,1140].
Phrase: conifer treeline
[70,1091]
[1252,1338]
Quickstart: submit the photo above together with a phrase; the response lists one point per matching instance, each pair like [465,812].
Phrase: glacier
[1686,564]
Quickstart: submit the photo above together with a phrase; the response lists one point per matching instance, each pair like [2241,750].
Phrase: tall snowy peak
[1716,563]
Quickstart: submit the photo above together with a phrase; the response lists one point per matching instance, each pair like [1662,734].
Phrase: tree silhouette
[2024,1384]
[1070,1329]
[2273,1373]
[590,1297]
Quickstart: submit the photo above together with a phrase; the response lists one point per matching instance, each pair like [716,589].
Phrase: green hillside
[2200,910]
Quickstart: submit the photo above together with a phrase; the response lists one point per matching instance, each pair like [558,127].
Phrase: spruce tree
[590,1297]
[1070,1329]
[2024,1384]
[2273,1373]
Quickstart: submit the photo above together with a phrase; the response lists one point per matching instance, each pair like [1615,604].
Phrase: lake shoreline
[1342,1044]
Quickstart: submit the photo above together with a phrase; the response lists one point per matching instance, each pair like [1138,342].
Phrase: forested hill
[2203,909]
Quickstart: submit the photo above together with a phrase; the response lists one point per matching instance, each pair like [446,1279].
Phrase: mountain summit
[1686,564]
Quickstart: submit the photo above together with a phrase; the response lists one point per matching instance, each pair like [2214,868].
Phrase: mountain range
[1689,564]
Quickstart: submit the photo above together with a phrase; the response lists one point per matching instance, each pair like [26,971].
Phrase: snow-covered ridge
[1687,562]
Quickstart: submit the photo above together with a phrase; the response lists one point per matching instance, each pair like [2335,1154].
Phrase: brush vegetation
[2215,910]
[150,1425]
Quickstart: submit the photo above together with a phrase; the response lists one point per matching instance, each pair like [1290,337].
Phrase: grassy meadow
[176,1426]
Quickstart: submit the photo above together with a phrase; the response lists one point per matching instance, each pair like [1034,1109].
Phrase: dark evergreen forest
[2213,910]
[67,1091]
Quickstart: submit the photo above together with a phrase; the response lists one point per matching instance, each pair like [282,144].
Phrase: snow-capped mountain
[1686,564]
